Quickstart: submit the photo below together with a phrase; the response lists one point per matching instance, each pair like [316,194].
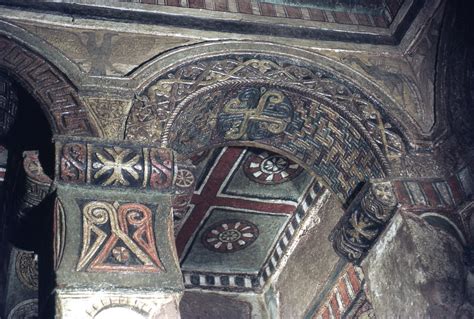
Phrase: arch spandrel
[58,98]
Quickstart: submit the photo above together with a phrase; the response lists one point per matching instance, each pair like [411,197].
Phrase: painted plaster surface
[220,306]
[164,273]
[106,304]
[100,53]
[240,185]
[345,110]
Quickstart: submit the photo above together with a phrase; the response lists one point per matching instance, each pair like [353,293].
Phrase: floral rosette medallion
[229,236]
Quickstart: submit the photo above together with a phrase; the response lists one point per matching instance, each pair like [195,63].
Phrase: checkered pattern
[435,194]
[261,8]
[341,297]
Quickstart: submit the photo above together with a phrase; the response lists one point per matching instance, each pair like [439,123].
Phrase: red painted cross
[209,197]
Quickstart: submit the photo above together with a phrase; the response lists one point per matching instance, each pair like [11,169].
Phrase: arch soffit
[309,129]
[57,96]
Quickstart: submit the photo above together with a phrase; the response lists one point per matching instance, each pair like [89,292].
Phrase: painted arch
[277,101]
[57,97]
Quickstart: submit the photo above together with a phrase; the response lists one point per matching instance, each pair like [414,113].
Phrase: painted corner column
[421,266]
[114,246]
[27,193]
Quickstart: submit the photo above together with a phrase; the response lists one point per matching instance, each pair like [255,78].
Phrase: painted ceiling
[247,206]
[365,6]
[377,13]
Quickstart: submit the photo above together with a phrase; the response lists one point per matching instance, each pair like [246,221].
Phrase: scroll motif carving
[26,267]
[73,163]
[118,237]
[25,309]
[364,220]
[161,168]
[115,165]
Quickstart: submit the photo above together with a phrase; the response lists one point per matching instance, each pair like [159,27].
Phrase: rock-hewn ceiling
[350,85]
[382,21]
[247,206]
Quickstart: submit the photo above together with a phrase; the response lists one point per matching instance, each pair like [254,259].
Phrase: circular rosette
[27,269]
[266,168]
[229,236]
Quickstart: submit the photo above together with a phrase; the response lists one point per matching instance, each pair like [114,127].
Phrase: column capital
[113,165]
[116,216]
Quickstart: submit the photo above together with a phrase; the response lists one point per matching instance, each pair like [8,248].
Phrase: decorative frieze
[435,194]
[118,166]
[343,296]
[59,99]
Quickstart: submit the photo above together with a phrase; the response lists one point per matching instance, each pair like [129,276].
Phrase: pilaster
[113,239]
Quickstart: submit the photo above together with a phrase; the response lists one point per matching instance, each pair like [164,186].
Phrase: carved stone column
[114,242]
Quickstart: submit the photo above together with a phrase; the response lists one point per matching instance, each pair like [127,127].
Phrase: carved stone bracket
[32,187]
[364,220]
